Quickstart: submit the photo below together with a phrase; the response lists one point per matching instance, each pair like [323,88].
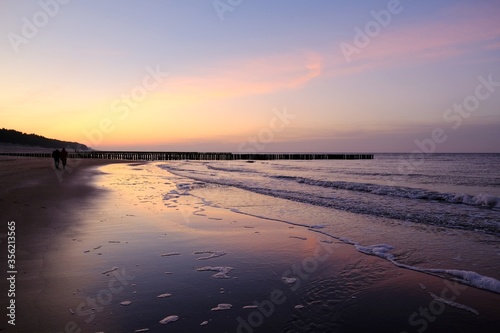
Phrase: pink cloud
[249,77]
[493,46]
[463,30]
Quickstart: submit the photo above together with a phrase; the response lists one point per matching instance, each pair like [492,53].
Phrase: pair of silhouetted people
[60,155]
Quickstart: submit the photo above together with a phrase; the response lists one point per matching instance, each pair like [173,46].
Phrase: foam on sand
[298,237]
[470,278]
[222,306]
[169,319]
[379,250]
[213,254]
[169,254]
[110,270]
[288,280]
[222,271]
[454,304]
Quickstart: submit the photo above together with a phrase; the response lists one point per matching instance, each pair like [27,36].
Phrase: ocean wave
[230,169]
[415,212]
[480,200]
[423,212]
[465,277]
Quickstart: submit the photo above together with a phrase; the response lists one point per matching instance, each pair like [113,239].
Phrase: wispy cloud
[264,75]
[464,29]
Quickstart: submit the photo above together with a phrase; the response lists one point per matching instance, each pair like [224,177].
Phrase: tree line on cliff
[11,136]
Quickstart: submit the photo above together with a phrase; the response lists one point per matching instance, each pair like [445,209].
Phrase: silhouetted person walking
[64,157]
[56,154]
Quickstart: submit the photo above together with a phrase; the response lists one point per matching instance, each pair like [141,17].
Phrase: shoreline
[36,197]
[113,215]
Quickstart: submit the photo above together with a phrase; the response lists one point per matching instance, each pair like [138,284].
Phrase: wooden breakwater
[172,156]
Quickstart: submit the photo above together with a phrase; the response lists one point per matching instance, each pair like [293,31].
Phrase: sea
[438,214]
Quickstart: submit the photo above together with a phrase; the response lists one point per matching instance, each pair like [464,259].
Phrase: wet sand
[97,246]
[40,200]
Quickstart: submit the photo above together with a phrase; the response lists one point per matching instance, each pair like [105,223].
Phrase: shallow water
[154,227]
[443,215]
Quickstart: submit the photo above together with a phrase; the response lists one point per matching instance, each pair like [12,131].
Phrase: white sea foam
[475,212]
[466,277]
[213,254]
[379,250]
[222,306]
[250,307]
[125,303]
[169,319]
[299,306]
[222,271]
[203,323]
[307,189]
[298,237]
[110,270]
[142,330]
[170,254]
[346,240]
[472,278]
[288,280]
[173,194]
[454,304]
[164,295]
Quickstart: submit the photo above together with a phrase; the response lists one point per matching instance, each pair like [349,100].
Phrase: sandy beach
[101,249]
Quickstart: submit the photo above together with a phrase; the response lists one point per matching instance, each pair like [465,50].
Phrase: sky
[254,76]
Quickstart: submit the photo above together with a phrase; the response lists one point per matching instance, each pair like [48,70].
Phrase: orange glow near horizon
[223,85]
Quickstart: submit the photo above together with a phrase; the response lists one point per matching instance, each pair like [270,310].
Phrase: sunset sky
[250,75]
